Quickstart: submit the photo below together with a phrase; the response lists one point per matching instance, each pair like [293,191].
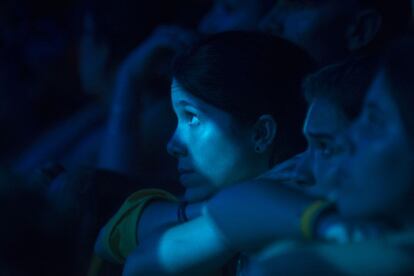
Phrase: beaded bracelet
[310,216]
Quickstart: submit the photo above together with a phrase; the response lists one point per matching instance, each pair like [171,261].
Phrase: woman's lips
[185,176]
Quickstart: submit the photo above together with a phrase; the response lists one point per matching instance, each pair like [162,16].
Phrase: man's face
[376,177]
[324,128]
[320,27]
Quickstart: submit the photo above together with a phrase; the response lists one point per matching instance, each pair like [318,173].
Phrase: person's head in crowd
[335,95]
[331,30]
[229,15]
[239,108]
[377,179]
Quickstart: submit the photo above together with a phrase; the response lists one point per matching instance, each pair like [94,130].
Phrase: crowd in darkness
[209,137]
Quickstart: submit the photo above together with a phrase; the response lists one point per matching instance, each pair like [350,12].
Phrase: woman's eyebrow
[183,103]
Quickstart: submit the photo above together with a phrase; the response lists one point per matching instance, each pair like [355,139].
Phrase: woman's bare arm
[193,248]
[253,214]
[230,224]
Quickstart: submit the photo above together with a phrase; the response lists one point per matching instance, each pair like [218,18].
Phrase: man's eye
[328,152]
[324,149]
[374,120]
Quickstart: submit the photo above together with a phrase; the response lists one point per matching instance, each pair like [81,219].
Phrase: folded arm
[193,248]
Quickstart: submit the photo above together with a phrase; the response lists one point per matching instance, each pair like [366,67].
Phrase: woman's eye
[192,119]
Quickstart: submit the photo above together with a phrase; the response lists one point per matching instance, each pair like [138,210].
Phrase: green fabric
[120,233]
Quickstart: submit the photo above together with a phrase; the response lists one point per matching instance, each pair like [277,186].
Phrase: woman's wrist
[194,210]
[181,212]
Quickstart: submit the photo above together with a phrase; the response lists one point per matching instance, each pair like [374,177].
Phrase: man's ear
[364,28]
[264,133]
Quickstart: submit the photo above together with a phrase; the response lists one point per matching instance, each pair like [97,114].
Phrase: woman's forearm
[251,215]
[192,248]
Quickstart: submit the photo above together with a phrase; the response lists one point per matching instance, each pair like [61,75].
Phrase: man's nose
[304,175]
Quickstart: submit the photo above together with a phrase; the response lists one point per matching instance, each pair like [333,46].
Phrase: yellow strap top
[120,233]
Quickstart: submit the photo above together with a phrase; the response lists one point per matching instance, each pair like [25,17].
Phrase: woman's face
[229,15]
[376,180]
[213,149]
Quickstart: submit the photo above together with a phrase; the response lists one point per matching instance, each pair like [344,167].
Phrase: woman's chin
[197,194]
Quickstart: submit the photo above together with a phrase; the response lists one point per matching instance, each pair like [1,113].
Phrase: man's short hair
[345,83]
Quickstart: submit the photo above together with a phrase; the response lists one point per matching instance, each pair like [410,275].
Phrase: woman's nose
[175,146]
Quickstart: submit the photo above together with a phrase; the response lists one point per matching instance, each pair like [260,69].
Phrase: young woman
[239,109]
[142,91]
[374,196]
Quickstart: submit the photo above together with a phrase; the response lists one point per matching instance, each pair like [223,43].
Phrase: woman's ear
[364,28]
[264,133]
